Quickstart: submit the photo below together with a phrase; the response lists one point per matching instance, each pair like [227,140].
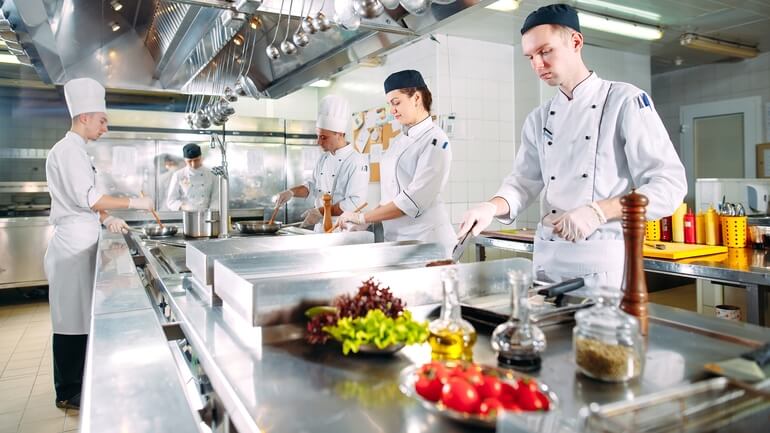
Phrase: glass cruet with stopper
[451,337]
[518,343]
[607,342]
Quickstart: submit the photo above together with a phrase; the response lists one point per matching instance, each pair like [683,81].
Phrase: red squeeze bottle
[666,231]
[689,227]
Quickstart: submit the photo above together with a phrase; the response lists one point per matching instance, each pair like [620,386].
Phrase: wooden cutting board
[675,250]
[521,235]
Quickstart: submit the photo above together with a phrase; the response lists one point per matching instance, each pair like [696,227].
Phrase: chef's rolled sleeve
[431,173]
[655,167]
[525,182]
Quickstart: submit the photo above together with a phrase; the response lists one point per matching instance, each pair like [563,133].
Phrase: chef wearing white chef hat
[77,209]
[341,171]
[583,149]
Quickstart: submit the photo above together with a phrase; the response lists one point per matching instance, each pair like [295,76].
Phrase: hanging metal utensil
[301,38]
[287,46]
[368,8]
[271,50]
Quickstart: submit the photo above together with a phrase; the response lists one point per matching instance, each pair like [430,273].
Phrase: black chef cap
[559,14]
[191,151]
[404,80]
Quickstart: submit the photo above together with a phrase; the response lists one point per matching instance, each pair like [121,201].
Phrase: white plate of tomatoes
[473,393]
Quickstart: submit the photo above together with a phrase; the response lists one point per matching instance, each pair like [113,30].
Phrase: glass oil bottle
[517,342]
[451,337]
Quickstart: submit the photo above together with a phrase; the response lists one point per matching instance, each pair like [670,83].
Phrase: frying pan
[156,231]
[261,227]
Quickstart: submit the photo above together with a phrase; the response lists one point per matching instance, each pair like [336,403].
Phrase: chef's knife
[459,249]
[750,367]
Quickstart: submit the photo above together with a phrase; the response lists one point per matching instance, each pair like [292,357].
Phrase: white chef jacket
[413,172]
[604,141]
[70,259]
[192,190]
[344,175]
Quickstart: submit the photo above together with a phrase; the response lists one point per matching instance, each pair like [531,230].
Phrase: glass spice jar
[607,342]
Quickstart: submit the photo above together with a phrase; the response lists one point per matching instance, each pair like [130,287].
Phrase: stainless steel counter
[270,379]
[741,267]
[132,381]
[23,241]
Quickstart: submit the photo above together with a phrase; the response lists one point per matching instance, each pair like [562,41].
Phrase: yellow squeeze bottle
[677,223]
[700,228]
[712,227]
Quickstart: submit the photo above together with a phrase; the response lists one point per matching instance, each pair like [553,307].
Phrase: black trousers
[69,359]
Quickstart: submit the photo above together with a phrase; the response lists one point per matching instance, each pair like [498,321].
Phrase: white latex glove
[283,197]
[311,217]
[143,203]
[115,224]
[579,223]
[481,214]
[352,221]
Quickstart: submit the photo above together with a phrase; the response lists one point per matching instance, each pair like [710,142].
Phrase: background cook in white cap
[77,208]
[341,170]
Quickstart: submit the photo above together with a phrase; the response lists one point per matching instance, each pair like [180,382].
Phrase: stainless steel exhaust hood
[200,46]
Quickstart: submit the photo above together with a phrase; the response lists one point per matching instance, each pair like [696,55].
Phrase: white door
[718,140]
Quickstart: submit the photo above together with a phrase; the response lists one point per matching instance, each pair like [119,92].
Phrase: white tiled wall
[709,83]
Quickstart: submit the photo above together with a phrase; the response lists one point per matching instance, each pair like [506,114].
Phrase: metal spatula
[459,249]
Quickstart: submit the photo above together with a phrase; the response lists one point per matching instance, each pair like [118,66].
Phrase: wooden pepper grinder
[327,213]
[635,286]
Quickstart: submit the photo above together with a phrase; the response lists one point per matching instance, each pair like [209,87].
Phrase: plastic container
[689,227]
[607,342]
[734,231]
[652,230]
[700,228]
[713,232]
[677,223]
[666,234]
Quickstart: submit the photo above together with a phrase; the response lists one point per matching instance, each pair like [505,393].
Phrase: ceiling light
[238,40]
[620,8]
[321,83]
[255,22]
[8,58]
[116,5]
[114,26]
[619,27]
[504,5]
[718,46]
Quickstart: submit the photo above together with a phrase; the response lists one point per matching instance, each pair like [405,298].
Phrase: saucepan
[156,231]
[261,227]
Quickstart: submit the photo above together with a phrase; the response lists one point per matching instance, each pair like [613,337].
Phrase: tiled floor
[26,381]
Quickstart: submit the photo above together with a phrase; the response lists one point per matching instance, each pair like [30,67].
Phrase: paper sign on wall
[123,161]
[375,153]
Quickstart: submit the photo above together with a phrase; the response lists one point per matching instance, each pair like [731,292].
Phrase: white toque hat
[333,114]
[84,95]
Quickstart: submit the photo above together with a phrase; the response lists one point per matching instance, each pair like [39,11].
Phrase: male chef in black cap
[583,149]
[193,187]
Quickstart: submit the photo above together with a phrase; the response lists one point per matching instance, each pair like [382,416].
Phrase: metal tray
[408,377]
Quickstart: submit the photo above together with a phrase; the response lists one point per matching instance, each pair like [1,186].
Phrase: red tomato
[490,407]
[460,395]
[509,392]
[528,399]
[434,370]
[490,387]
[429,389]
[511,406]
